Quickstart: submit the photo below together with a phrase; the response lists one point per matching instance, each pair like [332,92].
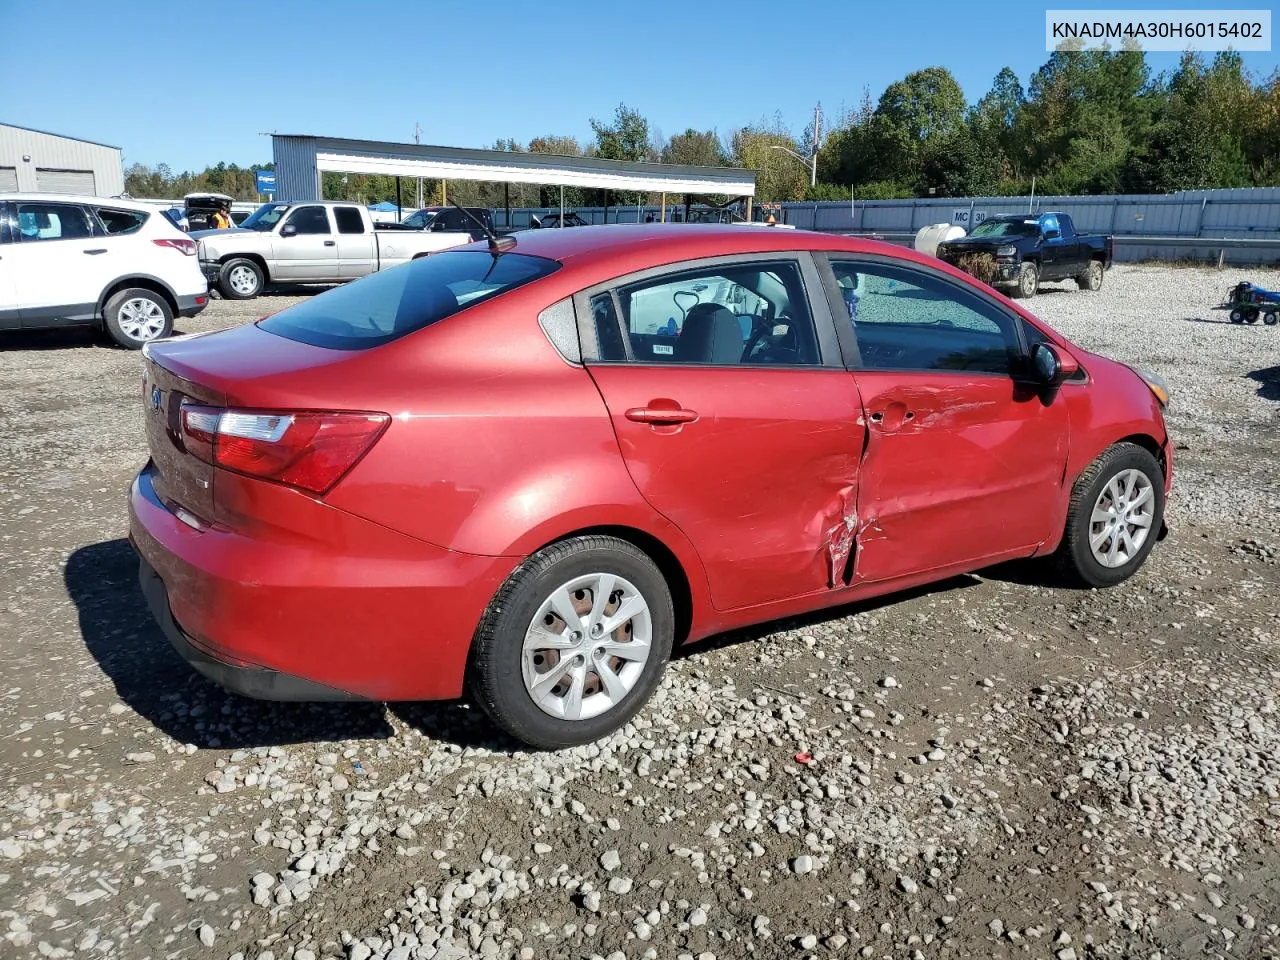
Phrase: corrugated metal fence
[1237,226]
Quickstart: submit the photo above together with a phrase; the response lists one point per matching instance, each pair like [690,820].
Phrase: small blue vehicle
[1248,302]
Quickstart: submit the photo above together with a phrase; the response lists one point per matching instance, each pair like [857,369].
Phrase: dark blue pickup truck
[1019,251]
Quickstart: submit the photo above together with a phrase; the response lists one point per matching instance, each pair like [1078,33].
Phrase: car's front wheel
[240,279]
[574,643]
[1028,281]
[1116,514]
[136,316]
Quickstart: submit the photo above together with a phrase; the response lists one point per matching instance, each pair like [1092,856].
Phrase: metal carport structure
[301,159]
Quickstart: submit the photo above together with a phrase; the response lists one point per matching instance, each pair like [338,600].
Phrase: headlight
[1157,384]
[1008,250]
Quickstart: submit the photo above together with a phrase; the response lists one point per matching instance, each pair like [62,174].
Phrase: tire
[1094,562]
[1251,314]
[136,316]
[503,677]
[1237,315]
[1028,282]
[1091,279]
[240,279]
[1270,318]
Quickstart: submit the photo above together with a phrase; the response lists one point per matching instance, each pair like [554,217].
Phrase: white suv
[86,260]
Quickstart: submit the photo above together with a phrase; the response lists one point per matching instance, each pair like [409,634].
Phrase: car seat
[710,334]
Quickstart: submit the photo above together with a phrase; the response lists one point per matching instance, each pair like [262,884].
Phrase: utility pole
[417,138]
[817,139]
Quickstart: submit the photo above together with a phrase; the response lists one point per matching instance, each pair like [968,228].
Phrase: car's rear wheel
[1028,281]
[1091,279]
[1115,516]
[1270,318]
[136,316]
[240,279]
[1251,314]
[574,642]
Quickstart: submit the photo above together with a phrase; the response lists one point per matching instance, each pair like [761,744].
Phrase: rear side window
[349,220]
[119,222]
[387,305]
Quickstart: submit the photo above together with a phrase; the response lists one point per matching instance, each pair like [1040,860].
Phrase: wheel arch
[142,280]
[256,258]
[668,563]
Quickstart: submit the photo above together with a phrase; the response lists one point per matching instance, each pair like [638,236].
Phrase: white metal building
[33,161]
[300,160]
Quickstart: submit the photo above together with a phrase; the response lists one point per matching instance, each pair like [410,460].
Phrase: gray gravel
[995,766]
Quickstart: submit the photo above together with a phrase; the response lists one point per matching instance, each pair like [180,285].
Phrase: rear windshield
[383,306]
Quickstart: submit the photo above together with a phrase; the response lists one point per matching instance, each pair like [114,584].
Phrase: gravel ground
[991,767]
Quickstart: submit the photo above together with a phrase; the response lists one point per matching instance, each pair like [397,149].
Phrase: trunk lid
[244,367]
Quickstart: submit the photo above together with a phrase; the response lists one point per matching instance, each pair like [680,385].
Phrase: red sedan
[531,469]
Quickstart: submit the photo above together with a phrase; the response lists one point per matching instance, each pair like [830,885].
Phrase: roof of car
[76,198]
[680,241]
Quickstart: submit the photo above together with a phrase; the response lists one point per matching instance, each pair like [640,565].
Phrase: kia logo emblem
[155,398]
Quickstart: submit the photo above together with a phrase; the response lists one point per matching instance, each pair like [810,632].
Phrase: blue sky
[191,83]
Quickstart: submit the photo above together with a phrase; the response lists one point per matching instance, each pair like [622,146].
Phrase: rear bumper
[260,683]
[191,304]
[316,604]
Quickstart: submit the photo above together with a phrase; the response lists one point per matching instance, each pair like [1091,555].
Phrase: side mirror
[438,227]
[289,230]
[1051,365]
[535,221]
[1052,234]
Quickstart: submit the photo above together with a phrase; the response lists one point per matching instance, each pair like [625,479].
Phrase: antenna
[497,245]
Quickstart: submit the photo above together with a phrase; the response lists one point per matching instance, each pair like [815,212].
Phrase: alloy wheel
[141,319]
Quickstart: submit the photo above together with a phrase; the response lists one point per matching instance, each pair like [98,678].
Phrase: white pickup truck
[309,242]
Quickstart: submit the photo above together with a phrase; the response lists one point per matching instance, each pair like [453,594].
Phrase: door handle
[661,415]
[330,243]
[96,251]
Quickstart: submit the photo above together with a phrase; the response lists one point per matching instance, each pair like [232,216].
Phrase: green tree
[779,176]
[625,138]
[695,148]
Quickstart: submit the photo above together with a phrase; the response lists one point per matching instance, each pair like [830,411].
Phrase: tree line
[1087,122]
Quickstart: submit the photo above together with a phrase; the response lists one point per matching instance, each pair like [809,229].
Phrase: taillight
[178,243]
[307,450]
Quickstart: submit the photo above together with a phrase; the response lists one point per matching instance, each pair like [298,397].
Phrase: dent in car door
[756,462]
[963,461]
[310,254]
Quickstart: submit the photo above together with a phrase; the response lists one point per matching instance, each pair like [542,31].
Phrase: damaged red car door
[964,459]
[736,422]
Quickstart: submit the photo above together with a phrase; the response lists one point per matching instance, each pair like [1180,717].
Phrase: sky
[191,84]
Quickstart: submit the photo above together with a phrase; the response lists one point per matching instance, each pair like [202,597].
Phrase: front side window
[310,220]
[52,221]
[905,319]
[349,220]
[120,222]
[733,314]
[386,305]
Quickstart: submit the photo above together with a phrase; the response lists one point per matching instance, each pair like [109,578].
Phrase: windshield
[1006,228]
[420,220]
[265,217]
[386,305]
